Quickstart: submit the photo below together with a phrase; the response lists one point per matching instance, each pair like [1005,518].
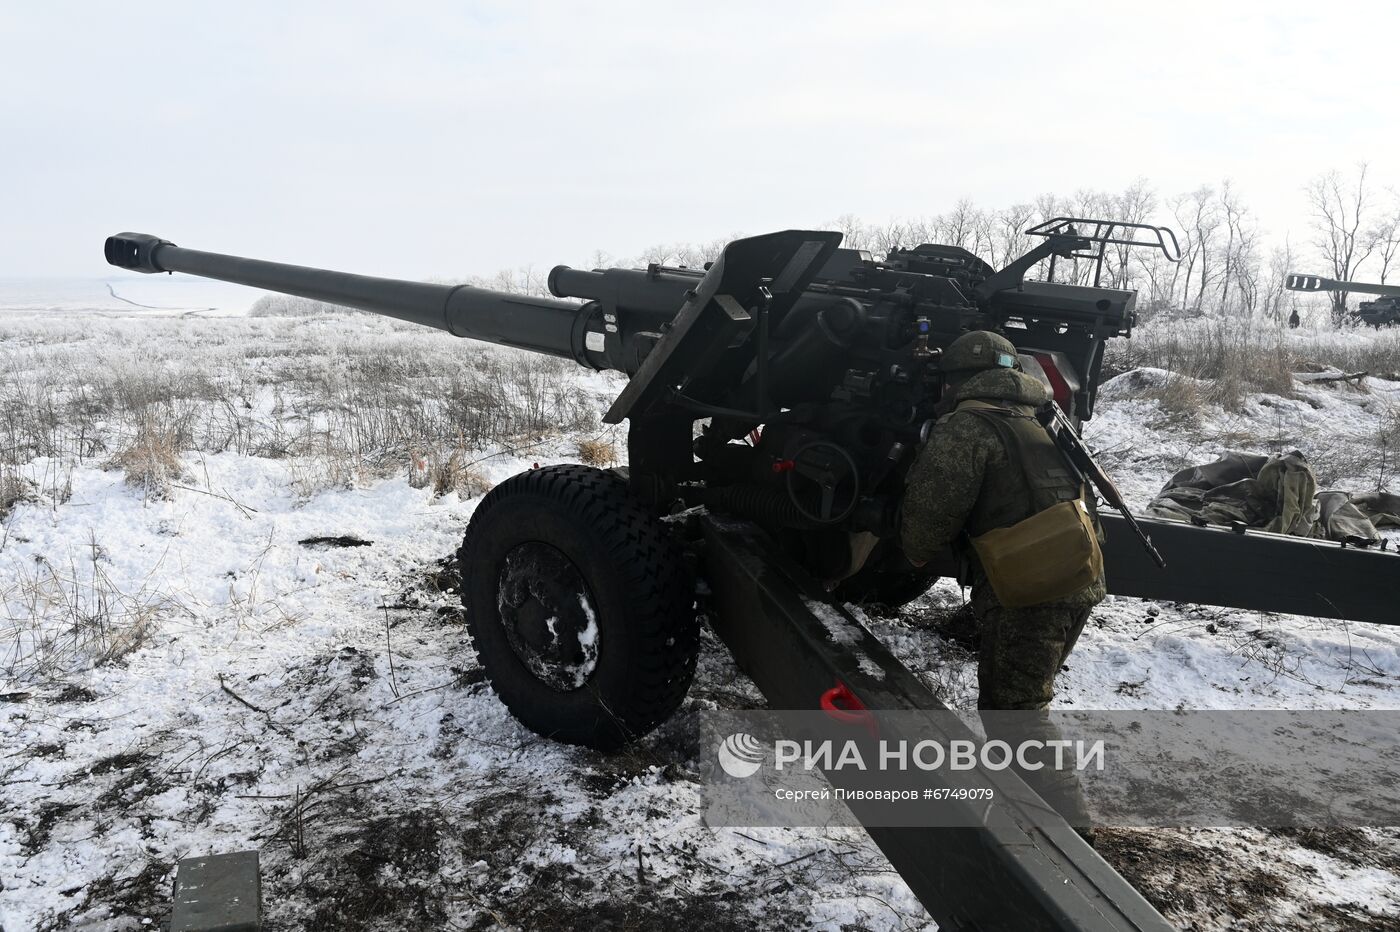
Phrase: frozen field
[182,673]
[146,295]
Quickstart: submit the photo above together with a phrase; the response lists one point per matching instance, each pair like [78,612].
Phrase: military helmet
[978,349]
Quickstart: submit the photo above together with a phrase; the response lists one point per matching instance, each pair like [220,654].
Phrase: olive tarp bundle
[1277,493]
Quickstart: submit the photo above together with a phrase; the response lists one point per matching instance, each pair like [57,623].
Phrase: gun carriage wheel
[579,606]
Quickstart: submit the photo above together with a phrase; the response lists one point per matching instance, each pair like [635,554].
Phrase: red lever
[781,466]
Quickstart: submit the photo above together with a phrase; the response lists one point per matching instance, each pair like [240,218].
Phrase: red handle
[841,704]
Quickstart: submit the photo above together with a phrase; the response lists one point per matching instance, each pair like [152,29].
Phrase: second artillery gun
[1379,313]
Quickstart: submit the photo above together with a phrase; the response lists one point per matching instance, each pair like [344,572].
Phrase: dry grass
[1232,357]
[153,397]
[62,618]
[1357,349]
[597,452]
[338,409]
[1189,366]
[1342,460]
[1181,400]
[14,489]
[1241,356]
[454,472]
[309,475]
[151,460]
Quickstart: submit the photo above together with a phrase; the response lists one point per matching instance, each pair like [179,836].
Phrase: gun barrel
[541,325]
[1296,282]
[654,291]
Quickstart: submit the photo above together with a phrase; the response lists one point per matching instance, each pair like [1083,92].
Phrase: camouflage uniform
[965,480]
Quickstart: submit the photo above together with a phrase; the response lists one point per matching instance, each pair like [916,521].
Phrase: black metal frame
[1096,242]
[965,877]
[1251,569]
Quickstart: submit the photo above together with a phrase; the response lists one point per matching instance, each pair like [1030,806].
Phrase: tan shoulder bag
[1050,555]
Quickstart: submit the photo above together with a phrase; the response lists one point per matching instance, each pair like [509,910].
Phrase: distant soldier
[989,463]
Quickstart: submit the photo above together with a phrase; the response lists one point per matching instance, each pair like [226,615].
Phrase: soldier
[990,464]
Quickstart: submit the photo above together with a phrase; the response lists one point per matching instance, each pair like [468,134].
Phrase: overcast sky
[421,139]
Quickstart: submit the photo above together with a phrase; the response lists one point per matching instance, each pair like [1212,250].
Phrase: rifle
[1072,445]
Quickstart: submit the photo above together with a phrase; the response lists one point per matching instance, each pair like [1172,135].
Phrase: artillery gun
[814,370]
[1378,313]
[812,374]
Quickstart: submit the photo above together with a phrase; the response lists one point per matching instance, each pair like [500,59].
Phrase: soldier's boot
[958,626]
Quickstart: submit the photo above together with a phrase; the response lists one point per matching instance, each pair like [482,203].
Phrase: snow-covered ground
[180,673]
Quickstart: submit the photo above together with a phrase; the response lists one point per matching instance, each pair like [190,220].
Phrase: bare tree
[695,255]
[1198,218]
[660,254]
[854,234]
[1386,235]
[1251,282]
[1009,233]
[1046,207]
[1240,266]
[1272,293]
[1051,205]
[1091,205]
[1340,209]
[525,280]
[1154,267]
[984,230]
[958,226]
[892,235]
[1135,205]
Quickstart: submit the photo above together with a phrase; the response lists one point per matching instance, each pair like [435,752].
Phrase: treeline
[1222,265]
[1226,267]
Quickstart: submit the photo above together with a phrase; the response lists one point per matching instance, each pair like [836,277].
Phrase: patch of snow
[1142,379]
[587,642]
[838,628]
[846,634]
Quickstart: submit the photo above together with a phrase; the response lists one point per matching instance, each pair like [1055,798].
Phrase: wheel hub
[548,615]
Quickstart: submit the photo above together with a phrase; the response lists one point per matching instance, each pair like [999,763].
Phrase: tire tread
[664,628]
